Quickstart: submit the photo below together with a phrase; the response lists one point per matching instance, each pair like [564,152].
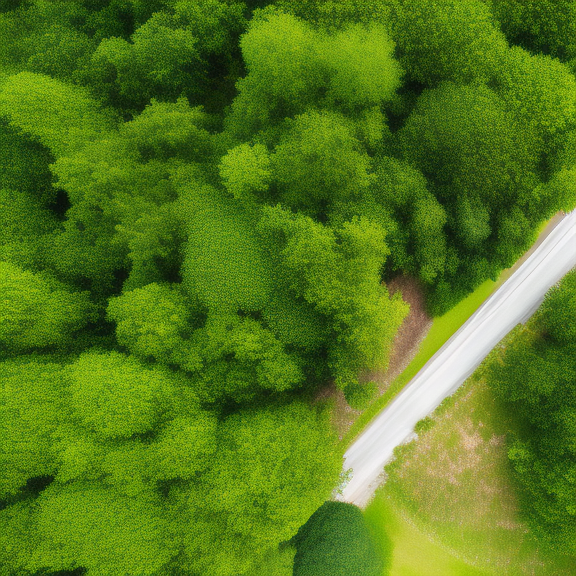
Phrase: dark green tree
[541,26]
[319,162]
[456,40]
[335,541]
[173,53]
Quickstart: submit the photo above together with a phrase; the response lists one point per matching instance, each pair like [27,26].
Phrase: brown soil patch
[409,335]
[404,348]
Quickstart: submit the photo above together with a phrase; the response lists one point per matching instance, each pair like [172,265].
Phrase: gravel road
[513,303]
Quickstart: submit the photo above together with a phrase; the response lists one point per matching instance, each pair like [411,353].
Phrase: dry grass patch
[455,482]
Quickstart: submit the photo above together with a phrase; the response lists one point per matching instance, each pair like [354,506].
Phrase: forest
[203,202]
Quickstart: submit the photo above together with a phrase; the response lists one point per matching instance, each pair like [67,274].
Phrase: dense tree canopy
[448,40]
[200,202]
[535,377]
[541,26]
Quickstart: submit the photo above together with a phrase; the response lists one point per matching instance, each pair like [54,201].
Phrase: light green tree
[246,173]
[151,321]
[61,116]
[31,406]
[258,494]
[38,311]
[98,528]
[115,396]
[362,67]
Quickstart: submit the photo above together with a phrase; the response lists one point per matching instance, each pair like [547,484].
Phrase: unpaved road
[514,302]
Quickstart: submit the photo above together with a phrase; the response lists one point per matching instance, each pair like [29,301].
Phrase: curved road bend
[514,302]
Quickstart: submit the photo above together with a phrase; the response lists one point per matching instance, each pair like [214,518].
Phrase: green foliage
[236,357]
[335,14]
[335,541]
[183,314]
[272,470]
[295,321]
[454,40]
[98,528]
[167,130]
[541,26]
[339,275]
[292,66]
[412,216]
[24,165]
[17,537]
[363,70]
[539,90]
[114,395]
[224,264]
[61,116]
[121,191]
[463,140]
[37,311]
[278,562]
[359,396]
[245,171]
[424,425]
[284,72]
[318,162]
[30,409]
[26,229]
[184,447]
[57,51]
[169,55]
[150,321]
[481,165]
[535,377]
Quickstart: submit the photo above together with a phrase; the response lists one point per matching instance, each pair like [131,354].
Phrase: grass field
[413,553]
[449,503]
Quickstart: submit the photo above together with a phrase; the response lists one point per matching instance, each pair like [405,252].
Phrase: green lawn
[413,553]
[442,329]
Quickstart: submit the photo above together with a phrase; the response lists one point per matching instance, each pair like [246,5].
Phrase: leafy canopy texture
[335,541]
[202,203]
[448,40]
[38,311]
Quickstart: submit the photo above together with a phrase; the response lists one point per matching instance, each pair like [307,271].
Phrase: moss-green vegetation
[200,200]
